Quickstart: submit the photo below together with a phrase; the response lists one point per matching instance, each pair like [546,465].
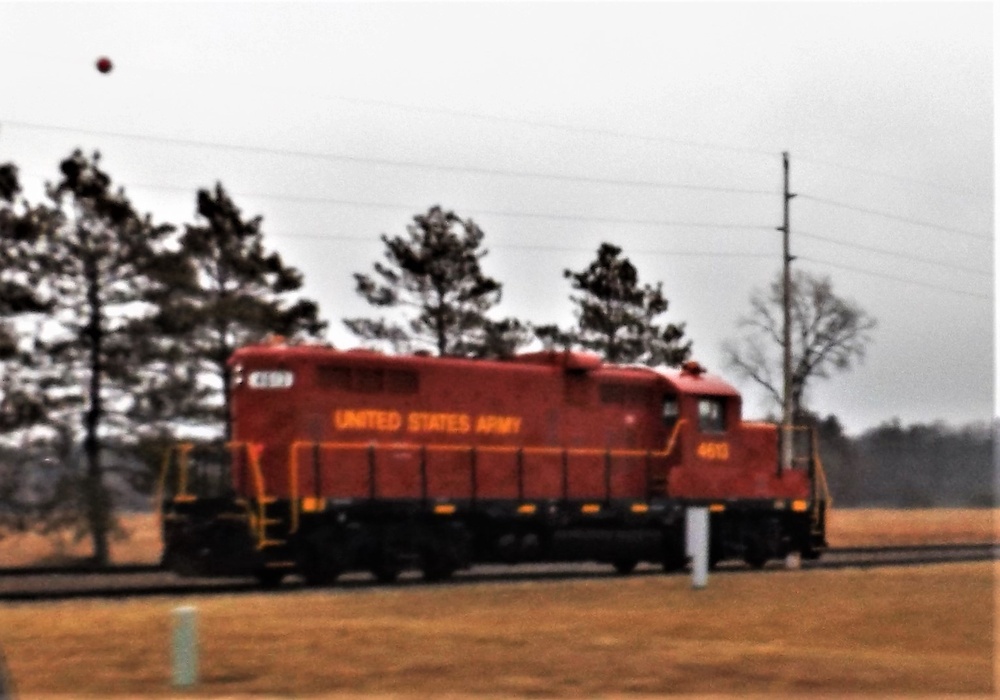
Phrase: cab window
[671,411]
[711,415]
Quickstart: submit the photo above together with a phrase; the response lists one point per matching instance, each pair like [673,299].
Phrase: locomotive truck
[355,460]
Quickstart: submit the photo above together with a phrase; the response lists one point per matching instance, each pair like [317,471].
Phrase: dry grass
[141,542]
[893,631]
[852,528]
[138,542]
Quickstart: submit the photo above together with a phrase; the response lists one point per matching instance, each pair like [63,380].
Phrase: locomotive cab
[759,510]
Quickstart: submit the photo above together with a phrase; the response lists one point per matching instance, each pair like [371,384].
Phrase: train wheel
[625,566]
[674,554]
[386,572]
[444,552]
[438,567]
[320,572]
[270,578]
[672,564]
[755,558]
[321,558]
[758,546]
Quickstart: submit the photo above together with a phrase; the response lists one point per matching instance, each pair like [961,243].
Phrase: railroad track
[41,584]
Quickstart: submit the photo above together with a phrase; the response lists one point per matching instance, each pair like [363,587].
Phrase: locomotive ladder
[181,495]
[822,498]
[261,521]
[820,494]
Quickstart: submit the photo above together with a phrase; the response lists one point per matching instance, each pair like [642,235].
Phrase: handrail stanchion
[184,455]
[607,475]
[565,475]
[423,475]
[161,485]
[473,475]
[253,458]
[293,481]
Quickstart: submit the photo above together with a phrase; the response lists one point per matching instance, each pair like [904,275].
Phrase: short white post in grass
[185,646]
[696,527]
[793,561]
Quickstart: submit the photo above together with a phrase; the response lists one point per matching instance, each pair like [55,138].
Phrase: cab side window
[671,411]
[711,415]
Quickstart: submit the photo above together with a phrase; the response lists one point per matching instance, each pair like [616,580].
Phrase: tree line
[910,466]
[115,329]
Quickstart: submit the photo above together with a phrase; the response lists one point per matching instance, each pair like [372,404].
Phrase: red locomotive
[360,461]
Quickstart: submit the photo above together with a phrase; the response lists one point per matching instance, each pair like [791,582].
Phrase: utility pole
[786,404]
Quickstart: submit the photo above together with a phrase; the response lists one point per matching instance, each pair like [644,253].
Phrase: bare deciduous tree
[829,334]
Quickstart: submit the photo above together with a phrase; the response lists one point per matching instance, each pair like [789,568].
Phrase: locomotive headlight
[237,376]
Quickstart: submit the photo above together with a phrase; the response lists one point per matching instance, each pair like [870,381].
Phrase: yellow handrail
[293,456]
[824,488]
[182,479]
[183,450]
[673,438]
[161,483]
[446,447]
[293,479]
[253,451]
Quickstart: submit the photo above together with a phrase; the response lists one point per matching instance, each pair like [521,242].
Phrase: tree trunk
[442,336]
[225,351]
[98,507]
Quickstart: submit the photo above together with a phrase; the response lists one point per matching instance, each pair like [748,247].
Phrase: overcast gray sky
[655,126]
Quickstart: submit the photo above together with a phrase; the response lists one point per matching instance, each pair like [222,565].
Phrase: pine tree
[238,294]
[20,406]
[89,259]
[20,282]
[616,316]
[433,278]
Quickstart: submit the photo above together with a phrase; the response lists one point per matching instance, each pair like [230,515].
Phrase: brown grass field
[890,632]
[915,630]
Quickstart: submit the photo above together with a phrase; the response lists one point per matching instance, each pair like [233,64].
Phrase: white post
[793,561]
[185,646]
[696,522]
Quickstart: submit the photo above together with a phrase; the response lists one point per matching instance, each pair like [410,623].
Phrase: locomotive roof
[690,379]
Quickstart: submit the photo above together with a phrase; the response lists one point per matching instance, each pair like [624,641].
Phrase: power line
[579,218]
[392,162]
[564,249]
[606,220]
[477,212]
[893,176]
[666,253]
[893,253]
[887,215]
[906,280]
[562,126]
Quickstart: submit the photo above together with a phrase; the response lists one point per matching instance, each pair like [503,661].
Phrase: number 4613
[717,451]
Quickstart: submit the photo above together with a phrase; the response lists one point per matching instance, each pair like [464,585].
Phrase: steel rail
[162,583]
